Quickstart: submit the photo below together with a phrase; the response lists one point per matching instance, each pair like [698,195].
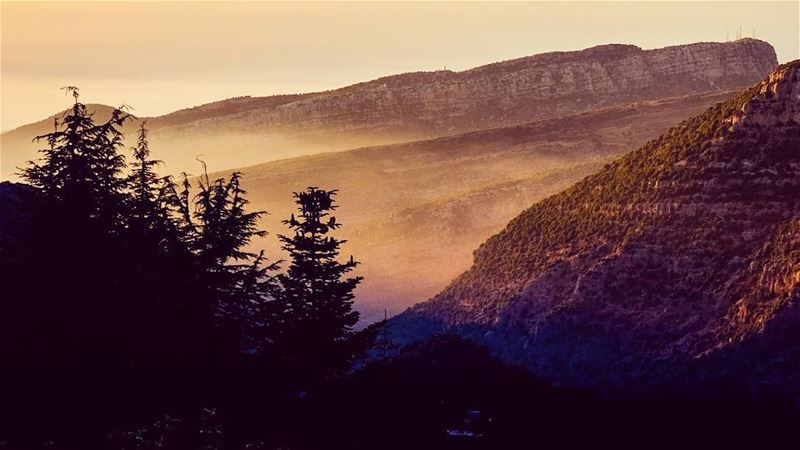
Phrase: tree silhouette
[126,295]
[150,219]
[147,189]
[317,295]
[217,226]
[82,168]
[107,284]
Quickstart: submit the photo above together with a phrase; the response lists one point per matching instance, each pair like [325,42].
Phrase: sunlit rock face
[679,263]
[525,89]
[249,130]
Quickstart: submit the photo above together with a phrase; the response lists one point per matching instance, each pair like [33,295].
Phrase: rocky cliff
[524,89]
[413,106]
[680,261]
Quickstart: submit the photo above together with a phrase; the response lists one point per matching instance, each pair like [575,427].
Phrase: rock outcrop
[522,90]
[679,263]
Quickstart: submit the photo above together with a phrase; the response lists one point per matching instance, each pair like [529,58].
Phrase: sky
[159,57]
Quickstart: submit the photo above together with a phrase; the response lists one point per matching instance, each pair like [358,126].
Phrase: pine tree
[317,295]
[145,185]
[218,228]
[122,278]
[81,179]
[149,217]
[82,169]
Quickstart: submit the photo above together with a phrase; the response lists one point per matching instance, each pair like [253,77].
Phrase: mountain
[441,197]
[414,106]
[678,263]
[413,212]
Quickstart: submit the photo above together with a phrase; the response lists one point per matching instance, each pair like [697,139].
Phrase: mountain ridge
[422,105]
[654,264]
[458,189]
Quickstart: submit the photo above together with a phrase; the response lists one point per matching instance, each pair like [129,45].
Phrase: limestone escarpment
[414,106]
[682,254]
[525,89]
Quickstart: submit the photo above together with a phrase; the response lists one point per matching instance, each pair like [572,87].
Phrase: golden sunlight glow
[159,57]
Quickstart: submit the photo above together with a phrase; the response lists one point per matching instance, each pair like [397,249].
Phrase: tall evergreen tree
[143,179]
[218,227]
[317,293]
[116,281]
[81,178]
[149,217]
[82,169]
[145,185]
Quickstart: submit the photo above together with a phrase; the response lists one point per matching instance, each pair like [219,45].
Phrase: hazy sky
[159,57]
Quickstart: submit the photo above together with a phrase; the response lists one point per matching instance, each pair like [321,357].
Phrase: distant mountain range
[679,262]
[442,160]
[413,106]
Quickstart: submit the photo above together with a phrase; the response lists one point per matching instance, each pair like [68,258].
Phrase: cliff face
[683,254]
[525,89]
[414,106]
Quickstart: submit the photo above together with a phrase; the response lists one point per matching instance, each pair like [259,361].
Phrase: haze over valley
[417,210]
[244,131]
[399,225]
[592,285]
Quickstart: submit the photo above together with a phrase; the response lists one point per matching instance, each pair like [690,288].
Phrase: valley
[680,257]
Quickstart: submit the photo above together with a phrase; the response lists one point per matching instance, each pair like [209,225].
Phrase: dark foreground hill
[448,393]
[679,263]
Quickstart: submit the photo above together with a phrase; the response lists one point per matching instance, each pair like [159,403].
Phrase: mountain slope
[684,253]
[414,106]
[414,212]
